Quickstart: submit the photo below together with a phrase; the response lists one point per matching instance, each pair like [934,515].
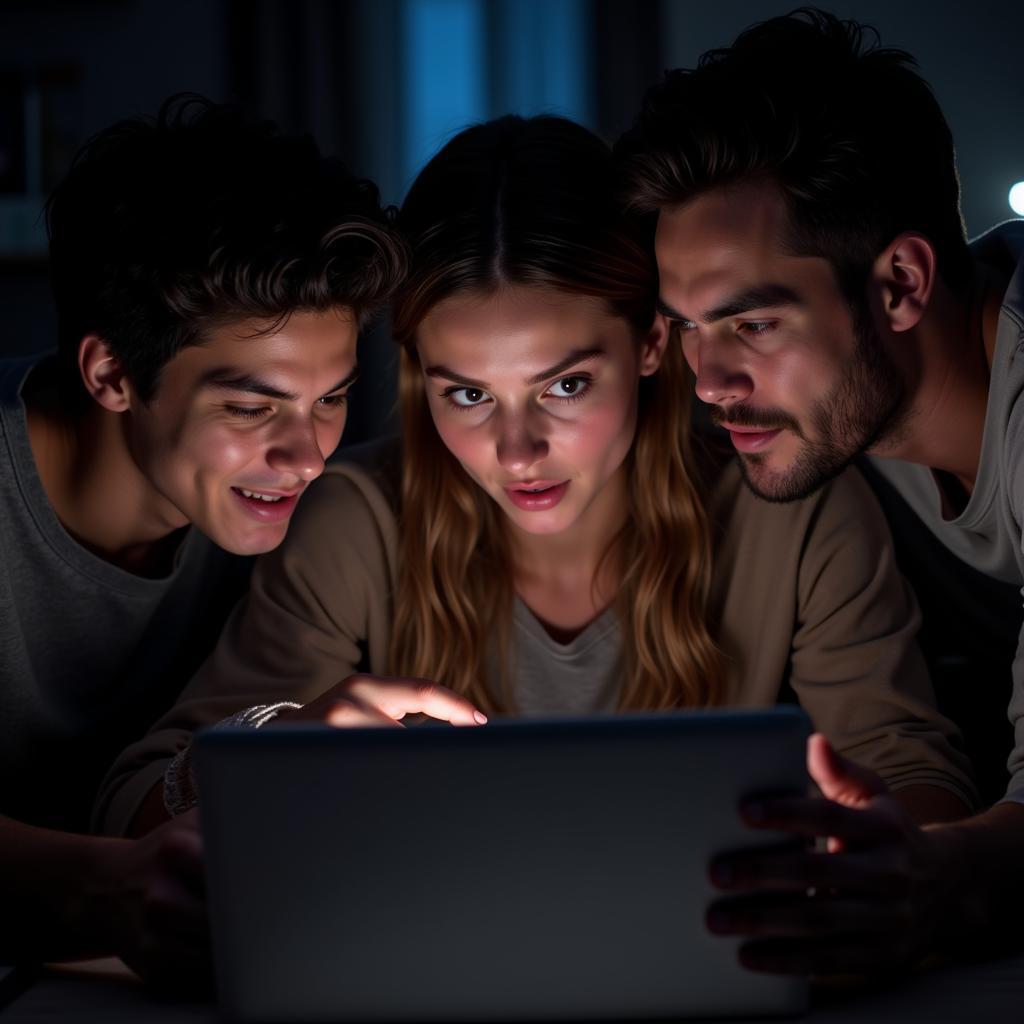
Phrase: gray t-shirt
[582,677]
[90,654]
[987,533]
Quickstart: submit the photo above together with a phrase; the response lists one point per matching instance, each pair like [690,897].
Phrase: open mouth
[538,495]
[264,506]
[261,497]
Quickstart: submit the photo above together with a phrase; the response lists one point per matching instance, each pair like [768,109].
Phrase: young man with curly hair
[211,276]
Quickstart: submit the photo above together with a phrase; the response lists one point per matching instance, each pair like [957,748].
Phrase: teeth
[261,497]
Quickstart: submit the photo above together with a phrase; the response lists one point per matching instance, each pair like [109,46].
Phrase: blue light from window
[546,44]
[444,43]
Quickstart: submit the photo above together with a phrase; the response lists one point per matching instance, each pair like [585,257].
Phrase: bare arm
[68,896]
[55,888]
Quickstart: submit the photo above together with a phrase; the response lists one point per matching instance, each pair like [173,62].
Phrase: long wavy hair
[531,202]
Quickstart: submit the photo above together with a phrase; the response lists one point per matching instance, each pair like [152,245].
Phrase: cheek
[601,437]
[799,380]
[212,450]
[461,434]
[472,447]
[329,432]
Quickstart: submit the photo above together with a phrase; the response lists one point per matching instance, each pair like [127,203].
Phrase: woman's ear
[903,277]
[103,374]
[653,346]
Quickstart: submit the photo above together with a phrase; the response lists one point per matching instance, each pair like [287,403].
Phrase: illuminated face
[534,391]
[240,424]
[801,385]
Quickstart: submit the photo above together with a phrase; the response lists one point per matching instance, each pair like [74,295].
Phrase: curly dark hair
[166,228]
[846,128]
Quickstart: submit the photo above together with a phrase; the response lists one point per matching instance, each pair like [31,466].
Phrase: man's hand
[382,700]
[871,902]
[72,897]
[158,907]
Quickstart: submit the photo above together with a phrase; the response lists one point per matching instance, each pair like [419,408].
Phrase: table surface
[106,992]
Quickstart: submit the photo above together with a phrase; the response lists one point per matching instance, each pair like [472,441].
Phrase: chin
[540,524]
[795,482]
[252,543]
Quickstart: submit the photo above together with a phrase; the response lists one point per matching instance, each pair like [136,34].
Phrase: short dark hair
[165,228]
[847,130]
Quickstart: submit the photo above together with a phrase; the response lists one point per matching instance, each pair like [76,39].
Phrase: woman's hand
[384,700]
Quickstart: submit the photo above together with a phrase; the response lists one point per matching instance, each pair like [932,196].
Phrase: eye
[570,388]
[681,324]
[247,412]
[332,402]
[758,327]
[465,398]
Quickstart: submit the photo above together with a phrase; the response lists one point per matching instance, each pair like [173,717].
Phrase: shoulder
[840,519]
[347,513]
[13,374]
[373,466]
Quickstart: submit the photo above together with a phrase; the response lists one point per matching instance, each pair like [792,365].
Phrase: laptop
[522,870]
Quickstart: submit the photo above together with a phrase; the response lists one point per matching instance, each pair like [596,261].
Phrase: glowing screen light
[1017,199]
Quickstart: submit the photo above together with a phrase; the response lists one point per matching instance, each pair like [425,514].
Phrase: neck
[945,422]
[97,490]
[564,578]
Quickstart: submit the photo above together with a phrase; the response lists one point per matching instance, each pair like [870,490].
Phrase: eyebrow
[758,297]
[233,380]
[574,357]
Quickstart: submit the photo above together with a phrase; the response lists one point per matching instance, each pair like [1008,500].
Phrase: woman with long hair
[515,229]
[546,539]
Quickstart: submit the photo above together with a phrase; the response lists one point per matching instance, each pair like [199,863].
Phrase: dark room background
[383,83]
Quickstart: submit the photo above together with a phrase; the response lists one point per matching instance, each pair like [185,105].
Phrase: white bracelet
[180,791]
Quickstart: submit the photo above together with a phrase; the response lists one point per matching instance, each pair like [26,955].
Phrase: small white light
[1017,199]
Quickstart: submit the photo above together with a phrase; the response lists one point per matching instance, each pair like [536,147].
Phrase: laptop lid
[522,870]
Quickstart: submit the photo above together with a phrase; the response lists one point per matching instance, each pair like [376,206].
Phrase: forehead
[729,237]
[306,341]
[514,327]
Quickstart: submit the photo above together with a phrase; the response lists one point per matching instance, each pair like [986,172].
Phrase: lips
[751,439]
[268,506]
[536,495]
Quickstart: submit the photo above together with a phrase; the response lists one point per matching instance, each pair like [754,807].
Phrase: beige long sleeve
[811,604]
[806,595]
[318,610]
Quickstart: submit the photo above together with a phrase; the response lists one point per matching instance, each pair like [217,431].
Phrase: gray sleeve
[1015,712]
[1014,469]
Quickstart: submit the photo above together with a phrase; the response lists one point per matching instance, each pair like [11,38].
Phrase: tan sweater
[806,593]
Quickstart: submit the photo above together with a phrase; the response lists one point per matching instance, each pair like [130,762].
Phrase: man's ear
[904,277]
[103,374]
[653,347]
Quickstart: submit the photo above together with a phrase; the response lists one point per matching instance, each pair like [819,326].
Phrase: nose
[719,379]
[520,443]
[296,450]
